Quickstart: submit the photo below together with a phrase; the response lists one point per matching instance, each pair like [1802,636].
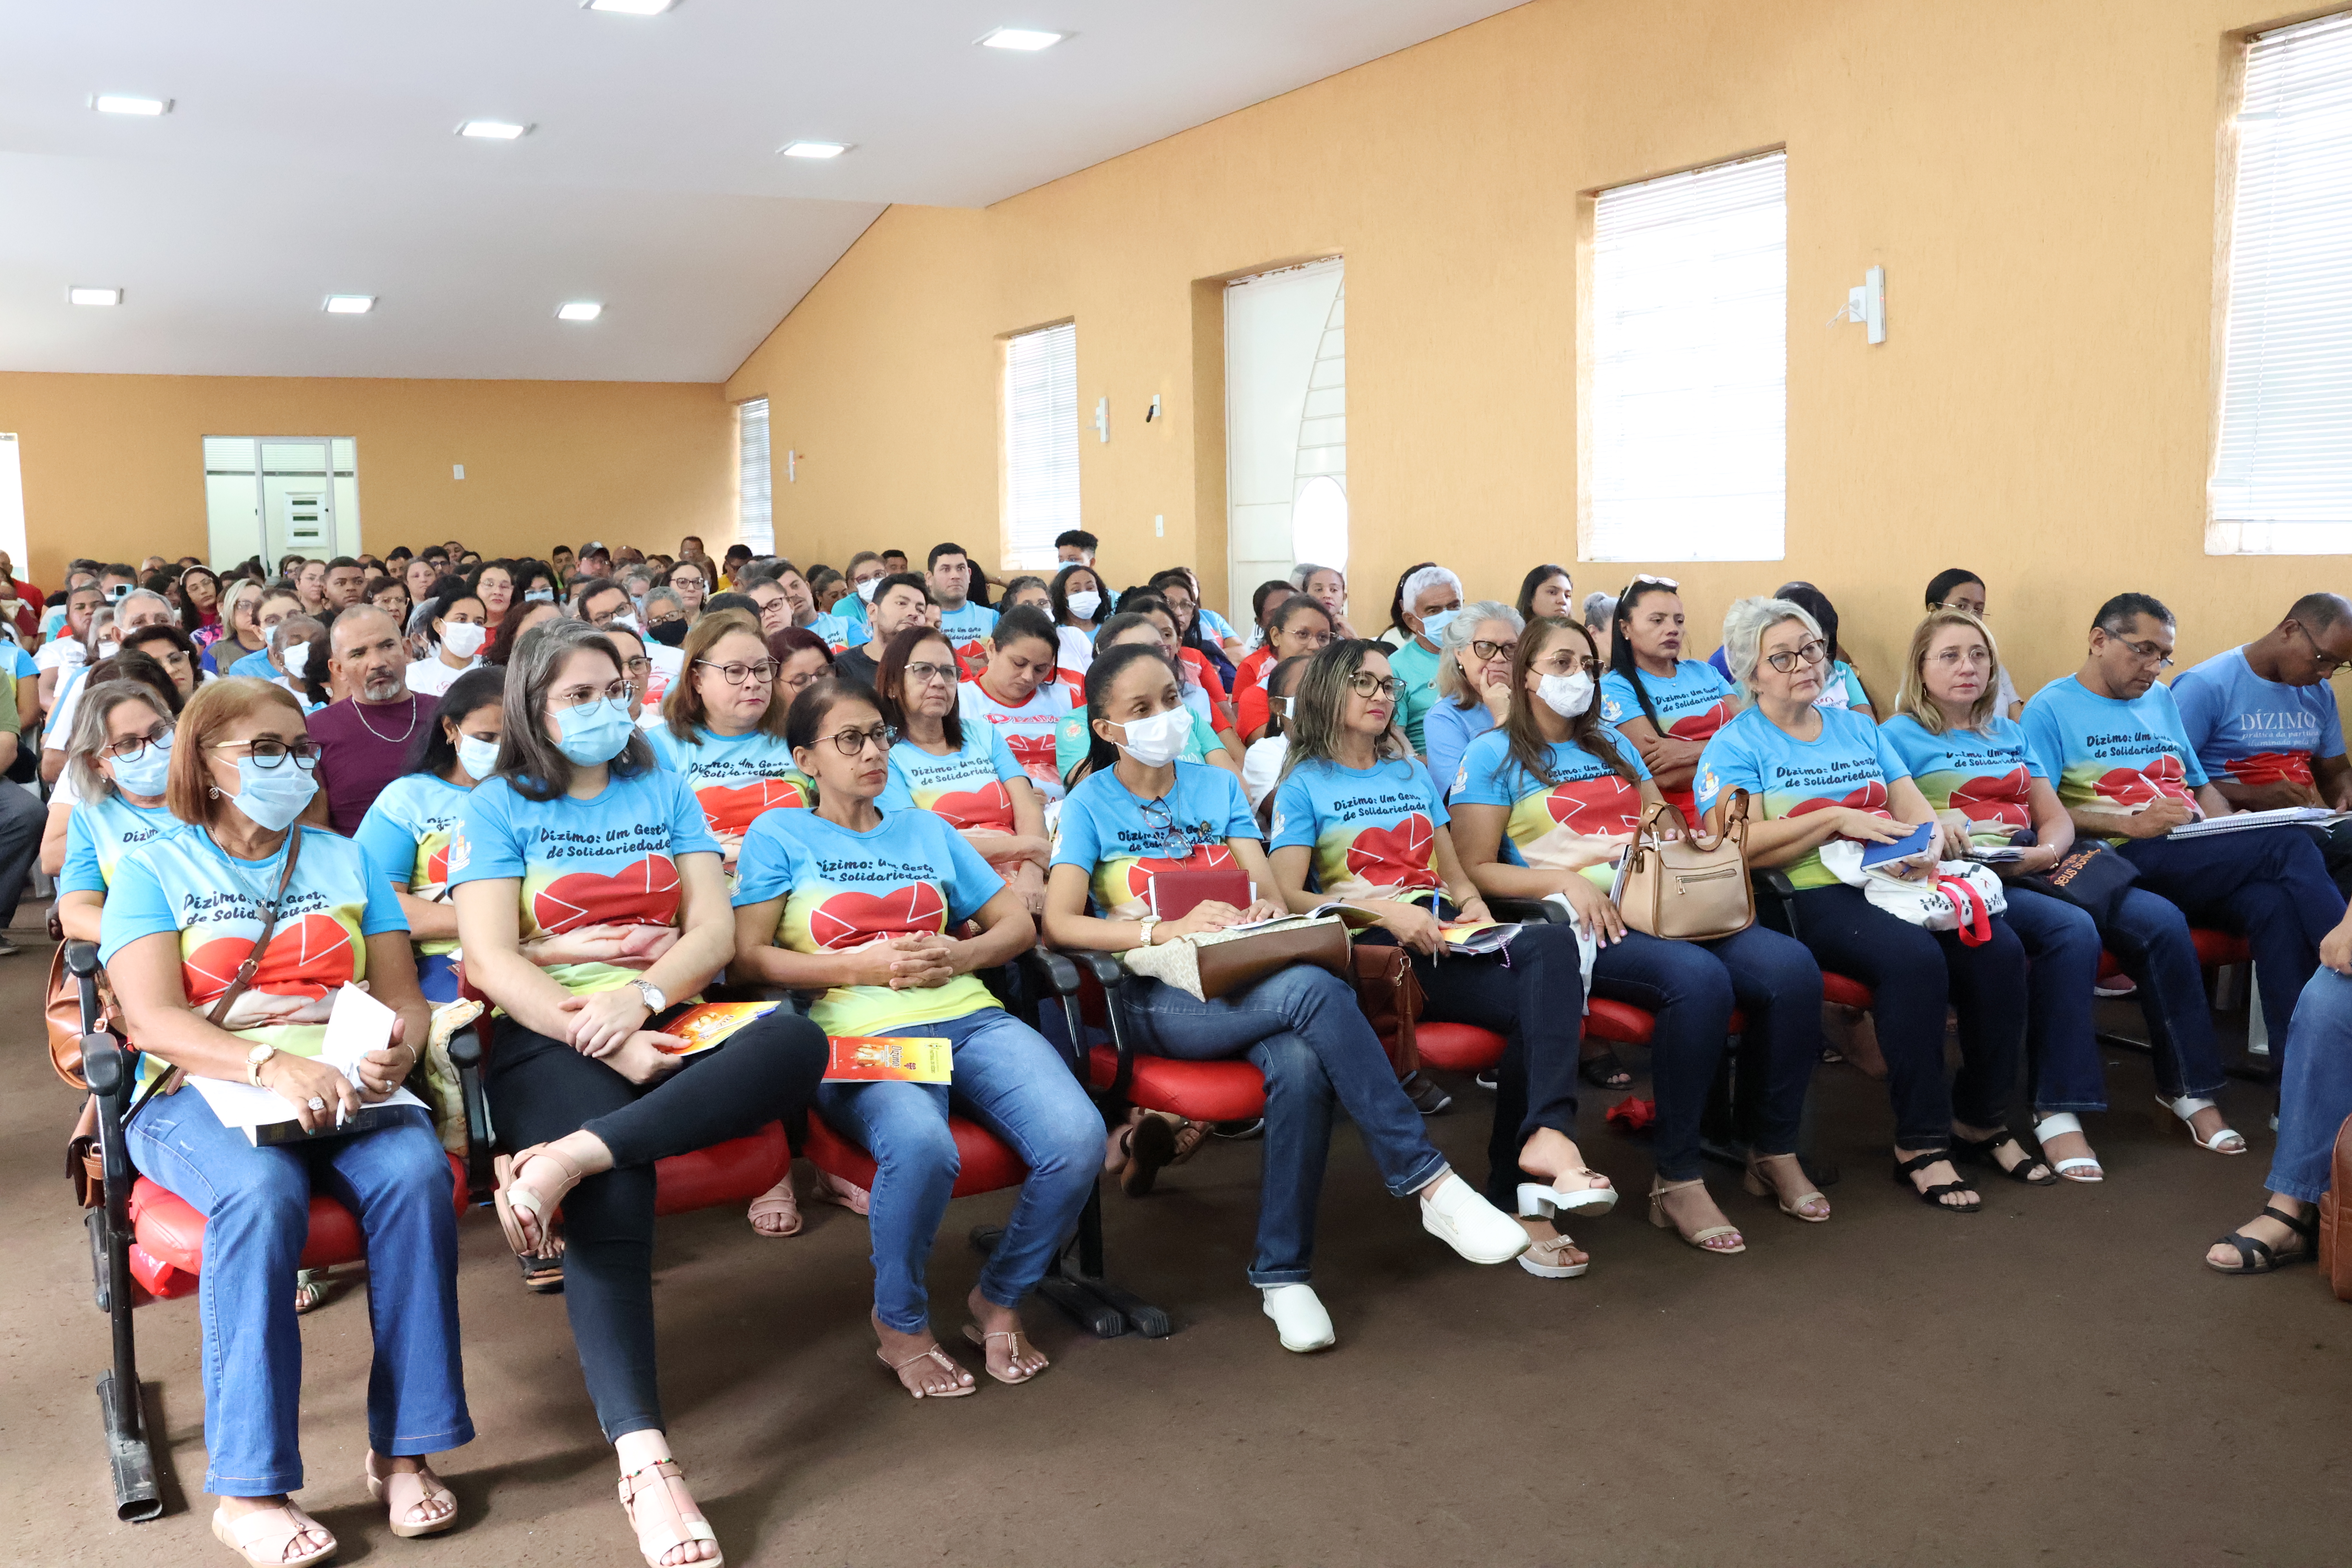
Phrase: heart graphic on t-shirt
[2271,767]
[642,894]
[991,806]
[1997,798]
[2137,786]
[853,919]
[1402,851]
[971,659]
[1871,797]
[1207,858]
[1033,752]
[436,865]
[308,957]
[1700,726]
[1600,807]
[732,810]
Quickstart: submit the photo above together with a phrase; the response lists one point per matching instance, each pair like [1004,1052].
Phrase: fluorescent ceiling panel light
[350,304]
[493,130]
[120,103]
[629,8]
[815,149]
[1027,39]
[579,310]
[94,295]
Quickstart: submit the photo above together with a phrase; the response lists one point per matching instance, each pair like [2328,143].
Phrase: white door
[274,496]
[1285,425]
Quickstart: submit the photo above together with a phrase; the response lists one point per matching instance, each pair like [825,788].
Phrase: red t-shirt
[1252,671]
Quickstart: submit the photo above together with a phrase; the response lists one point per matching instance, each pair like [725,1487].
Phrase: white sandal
[1541,1200]
[681,1529]
[2057,1124]
[2226,1142]
[274,1528]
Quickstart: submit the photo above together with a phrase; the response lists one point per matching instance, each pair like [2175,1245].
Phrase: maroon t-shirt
[363,749]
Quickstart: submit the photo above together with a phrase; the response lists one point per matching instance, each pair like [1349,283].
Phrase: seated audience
[241,633]
[459,624]
[526,617]
[899,601]
[1032,592]
[1669,707]
[1956,588]
[1073,741]
[722,730]
[1203,693]
[687,580]
[364,737]
[1546,590]
[1018,696]
[1430,597]
[1813,775]
[1140,810]
[493,583]
[1473,684]
[1263,602]
[1262,765]
[579,825]
[1194,633]
[1076,545]
[119,761]
[1078,605]
[1601,620]
[179,918]
[966,621]
[802,661]
[1298,627]
[963,773]
[1841,686]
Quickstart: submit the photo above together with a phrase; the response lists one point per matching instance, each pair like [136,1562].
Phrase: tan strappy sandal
[1021,1347]
[778,1202]
[265,1538]
[1756,1186]
[1706,1240]
[946,1363]
[513,1202]
[429,1489]
[680,1529]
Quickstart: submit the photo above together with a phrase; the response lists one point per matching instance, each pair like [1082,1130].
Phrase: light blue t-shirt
[1986,774]
[405,837]
[838,631]
[256,665]
[1581,819]
[1691,706]
[913,874]
[2102,753]
[1105,832]
[53,620]
[1373,831]
[2253,730]
[1448,727]
[967,630]
[99,831]
[1841,688]
[1849,763]
[968,787]
[611,859]
[735,778]
[20,663]
[1220,630]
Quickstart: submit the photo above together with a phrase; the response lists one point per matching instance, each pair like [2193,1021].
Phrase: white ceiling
[311,150]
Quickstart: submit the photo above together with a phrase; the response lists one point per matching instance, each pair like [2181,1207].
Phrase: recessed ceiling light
[120,103]
[629,8]
[579,310]
[350,304]
[1030,39]
[94,295]
[815,149]
[493,130]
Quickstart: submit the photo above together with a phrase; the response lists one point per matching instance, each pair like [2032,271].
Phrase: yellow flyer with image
[889,1058]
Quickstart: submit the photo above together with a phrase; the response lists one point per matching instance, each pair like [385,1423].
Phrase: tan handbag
[2334,1241]
[1690,889]
[1217,963]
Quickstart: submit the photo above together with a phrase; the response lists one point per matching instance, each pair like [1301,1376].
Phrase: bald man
[364,738]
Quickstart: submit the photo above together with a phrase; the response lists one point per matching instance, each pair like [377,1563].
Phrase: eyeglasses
[1978,611]
[130,746]
[924,674]
[763,672]
[802,681]
[2329,664]
[1364,683]
[1975,653]
[268,750]
[1566,663]
[1641,578]
[1179,838]
[1492,650]
[587,696]
[852,742]
[1809,652]
[2148,653]
[1313,639]
[640,665]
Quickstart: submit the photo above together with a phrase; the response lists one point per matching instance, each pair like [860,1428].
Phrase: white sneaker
[1298,1312]
[1457,1216]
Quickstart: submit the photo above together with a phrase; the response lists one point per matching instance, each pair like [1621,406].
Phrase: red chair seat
[1198,1091]
[1844,991]
[734,1172]
[1620,1022]
[1458,1048]
[2215,949]
[986,1162]
[167,1250]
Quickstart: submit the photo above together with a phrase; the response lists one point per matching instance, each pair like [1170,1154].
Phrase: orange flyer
[889,1058]
[703,1024]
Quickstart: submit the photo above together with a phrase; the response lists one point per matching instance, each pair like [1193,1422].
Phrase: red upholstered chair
[2215,949]
[985,1163]
[167,1248]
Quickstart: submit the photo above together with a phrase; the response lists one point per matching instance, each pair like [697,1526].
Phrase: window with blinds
[1686,411]
[2282,481]
[755,520]
[1040,443]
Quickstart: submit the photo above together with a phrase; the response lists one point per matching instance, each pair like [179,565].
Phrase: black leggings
[542,1089]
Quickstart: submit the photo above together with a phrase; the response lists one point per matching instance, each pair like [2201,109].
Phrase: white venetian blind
[755,521]
[1040,442]
[2281,480]
[1688,405]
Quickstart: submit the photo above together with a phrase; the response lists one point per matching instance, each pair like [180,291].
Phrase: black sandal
[542,1276]
[1148,1144]
[1933,1197]
[2258,1256]
[1981,1150]
[1605,1071]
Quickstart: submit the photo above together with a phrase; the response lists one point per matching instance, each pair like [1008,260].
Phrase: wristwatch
[651,993]
[1149,924]
[254,1059]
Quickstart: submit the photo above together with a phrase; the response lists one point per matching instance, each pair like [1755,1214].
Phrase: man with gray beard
[364,738]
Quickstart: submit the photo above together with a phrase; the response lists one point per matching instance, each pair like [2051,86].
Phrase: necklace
[358,711]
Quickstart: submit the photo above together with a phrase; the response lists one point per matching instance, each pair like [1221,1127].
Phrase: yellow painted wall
[2037,177]
[114,464]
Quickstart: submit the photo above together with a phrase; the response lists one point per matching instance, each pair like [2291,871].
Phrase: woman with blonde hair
[722,730]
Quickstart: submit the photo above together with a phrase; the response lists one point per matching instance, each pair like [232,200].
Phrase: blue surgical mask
[479,758]
[1433,627]
[594,732]
[539,596]
[273,797]
[146,773]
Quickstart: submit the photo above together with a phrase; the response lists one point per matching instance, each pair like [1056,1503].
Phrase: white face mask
[296,658]
[479,758]
[1159,740]
[108,649]
[465,639]
[866,589]
[1084,603]
[1566,695]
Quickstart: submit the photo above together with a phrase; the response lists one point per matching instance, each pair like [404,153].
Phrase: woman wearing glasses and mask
[1813,775]
[118,762]
[857,898]
[1545,809]
[722,729]
[1473,684]
[579,826]
[180,916]
[1141,812]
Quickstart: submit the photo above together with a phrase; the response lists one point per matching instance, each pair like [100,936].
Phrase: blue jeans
[2061,1047]
[1304,1031]
[2270,884]
[257,1209]
[1012,1082]
[2315,1088]
[2149,937]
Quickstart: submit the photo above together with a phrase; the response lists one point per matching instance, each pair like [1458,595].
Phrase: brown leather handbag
[2336,1218]
[1691,888]
[62,1013]
[1389,993]
[1216,963]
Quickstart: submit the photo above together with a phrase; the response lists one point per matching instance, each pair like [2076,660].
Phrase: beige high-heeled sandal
[680,1529]
[1758,1187]
[429,1489]
[513,1202]
[1704,1240]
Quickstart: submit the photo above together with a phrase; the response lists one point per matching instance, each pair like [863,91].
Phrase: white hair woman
[1473,684]
[1427,598]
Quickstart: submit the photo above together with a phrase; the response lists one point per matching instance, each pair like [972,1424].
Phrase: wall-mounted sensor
[1867,304]
[1102,417]
[1153,412]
